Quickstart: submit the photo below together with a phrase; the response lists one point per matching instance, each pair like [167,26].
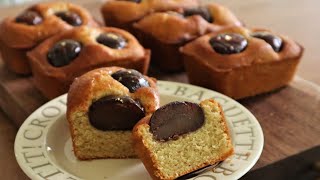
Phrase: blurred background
[13,2]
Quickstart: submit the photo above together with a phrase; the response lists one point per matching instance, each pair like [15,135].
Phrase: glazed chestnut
[131,78]
[273,40]
[64,52]
[70,17]
[29,18]
[115,113]
[229,43]
[175,119]
[202,11]
[112,40]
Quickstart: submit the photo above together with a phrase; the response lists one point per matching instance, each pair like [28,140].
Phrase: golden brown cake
[165,32]
[61,58]
[122,13]
[240,62]
[103,105]
[22,33]
[182,137]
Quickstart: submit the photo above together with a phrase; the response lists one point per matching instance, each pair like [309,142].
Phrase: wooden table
[289,117]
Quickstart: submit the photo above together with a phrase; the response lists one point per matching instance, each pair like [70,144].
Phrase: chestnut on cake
[165,32]
[240,62]
[61,58]
[37,23]
[103,105]
[182,137]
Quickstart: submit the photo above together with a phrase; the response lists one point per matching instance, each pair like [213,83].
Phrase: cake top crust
[188,23]
[133,11]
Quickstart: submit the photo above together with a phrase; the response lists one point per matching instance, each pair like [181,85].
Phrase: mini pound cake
[165,32]
[241,62]
[20,34]
[103,105]
[182,137]
[61,58]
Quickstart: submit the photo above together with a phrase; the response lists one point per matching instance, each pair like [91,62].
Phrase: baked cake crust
[15,60]
[256,70]
[19,37]
[172,28]
[53,81]
[148,158]
[131,11]
[95,85]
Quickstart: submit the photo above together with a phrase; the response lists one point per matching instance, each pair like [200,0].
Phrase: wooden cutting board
[290,117]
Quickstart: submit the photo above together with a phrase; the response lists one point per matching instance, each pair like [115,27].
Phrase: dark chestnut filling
[203,12]
[273,40]
[112,40]
[115,113]
[131,78]
[29,18]
[63,52]
[175,119]
[70,17]
[229,43]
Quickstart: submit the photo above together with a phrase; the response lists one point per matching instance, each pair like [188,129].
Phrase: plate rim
[32,175]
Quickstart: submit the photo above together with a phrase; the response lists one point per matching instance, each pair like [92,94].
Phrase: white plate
[43,144]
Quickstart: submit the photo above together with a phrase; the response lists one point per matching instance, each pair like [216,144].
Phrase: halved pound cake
[182,137]
[102,108]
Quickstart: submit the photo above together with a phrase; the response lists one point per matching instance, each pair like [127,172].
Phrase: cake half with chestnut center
[103,106]
[182,137]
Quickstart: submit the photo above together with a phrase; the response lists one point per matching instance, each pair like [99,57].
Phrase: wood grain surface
[289,117]
[9,168]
